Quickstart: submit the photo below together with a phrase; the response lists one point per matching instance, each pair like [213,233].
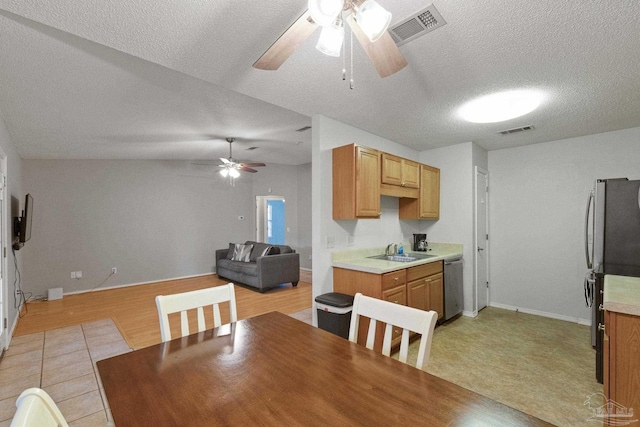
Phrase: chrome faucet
[387,251]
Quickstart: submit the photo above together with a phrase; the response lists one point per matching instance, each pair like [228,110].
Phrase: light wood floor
[133,309]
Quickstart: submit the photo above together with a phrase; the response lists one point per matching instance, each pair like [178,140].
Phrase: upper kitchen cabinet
[400,177]
[356,182]
[427,205]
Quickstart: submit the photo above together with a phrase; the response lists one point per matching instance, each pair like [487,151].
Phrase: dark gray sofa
[262,272]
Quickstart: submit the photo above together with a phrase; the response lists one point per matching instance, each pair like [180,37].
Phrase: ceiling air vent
[417,25]
[251,148]
[302,129]
[515,130]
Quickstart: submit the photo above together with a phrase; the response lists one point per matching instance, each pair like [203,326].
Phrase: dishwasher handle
[453,261]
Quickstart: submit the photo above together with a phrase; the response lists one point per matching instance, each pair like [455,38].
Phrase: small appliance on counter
[420,242]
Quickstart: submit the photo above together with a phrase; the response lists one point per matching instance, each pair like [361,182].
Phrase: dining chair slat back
[408,318]
[36,408]
[183,302]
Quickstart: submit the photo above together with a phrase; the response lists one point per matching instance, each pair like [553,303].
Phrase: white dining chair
[199,299]
[408,318]
[37,409]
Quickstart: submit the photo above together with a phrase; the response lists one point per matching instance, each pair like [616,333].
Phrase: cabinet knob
[601,327]
[396,278]
[396,302]
[601,307]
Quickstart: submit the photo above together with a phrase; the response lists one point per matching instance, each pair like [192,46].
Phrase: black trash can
[334,313]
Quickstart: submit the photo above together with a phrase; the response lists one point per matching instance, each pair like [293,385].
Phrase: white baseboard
[104,288]
[7,339]
[470,313]
[586,322]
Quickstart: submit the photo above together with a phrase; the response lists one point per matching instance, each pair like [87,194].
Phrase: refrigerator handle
[638,198]
[586,229]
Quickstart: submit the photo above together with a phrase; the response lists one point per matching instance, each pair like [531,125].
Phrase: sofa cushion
[241,252]
[246,268]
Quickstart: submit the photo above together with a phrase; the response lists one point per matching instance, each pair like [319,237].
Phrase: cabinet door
[429,192]
[410,174]
[418,294]
[436,294]
[367,182]
[396,295]
[391,169]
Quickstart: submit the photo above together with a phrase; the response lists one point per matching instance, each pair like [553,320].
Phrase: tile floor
[63,363]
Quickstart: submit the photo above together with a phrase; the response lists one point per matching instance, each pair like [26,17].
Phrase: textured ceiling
[169,80]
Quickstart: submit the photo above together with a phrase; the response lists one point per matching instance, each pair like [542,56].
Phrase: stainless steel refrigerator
[612,245]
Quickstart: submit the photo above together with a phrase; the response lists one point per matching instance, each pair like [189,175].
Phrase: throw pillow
[232,248]
[241,252]
[259,250]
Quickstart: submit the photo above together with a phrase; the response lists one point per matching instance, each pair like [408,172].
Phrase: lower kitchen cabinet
[622,360]
[425,288]
[420,287]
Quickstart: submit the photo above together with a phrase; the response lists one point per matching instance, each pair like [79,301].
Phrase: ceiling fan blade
[225,161]
[384,53]
[289,41]
[246,169]
[253,165]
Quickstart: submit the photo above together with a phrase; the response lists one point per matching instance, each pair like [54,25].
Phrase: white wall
[16,195]
[456,223]
[304,215]
[538,195]
[152,220]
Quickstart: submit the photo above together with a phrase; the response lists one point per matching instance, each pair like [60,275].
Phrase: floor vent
[302,129]
[417,25]
[515,130]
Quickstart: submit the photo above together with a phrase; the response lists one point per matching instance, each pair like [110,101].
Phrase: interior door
[481,238]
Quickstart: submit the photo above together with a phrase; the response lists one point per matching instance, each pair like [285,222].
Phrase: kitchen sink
[402,258]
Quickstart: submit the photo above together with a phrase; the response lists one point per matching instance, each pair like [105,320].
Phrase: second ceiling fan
[231,167]
[368,22]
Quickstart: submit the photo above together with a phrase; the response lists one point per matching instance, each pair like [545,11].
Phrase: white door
[481,238]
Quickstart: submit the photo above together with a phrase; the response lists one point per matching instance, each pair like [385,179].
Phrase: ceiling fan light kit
[368,21]
[372,19]
[331,39]
[325,12]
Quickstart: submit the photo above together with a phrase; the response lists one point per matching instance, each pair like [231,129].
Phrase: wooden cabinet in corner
[427,205]
[400,177]
[356,182]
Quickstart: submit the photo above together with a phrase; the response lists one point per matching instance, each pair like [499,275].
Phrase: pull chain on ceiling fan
[366,18]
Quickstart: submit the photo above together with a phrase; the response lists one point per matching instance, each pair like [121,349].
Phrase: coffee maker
[420,242]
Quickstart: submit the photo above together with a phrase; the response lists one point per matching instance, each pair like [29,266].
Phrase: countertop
[622,294]
[356,259]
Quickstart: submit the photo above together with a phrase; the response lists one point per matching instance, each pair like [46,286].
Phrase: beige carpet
[541,366]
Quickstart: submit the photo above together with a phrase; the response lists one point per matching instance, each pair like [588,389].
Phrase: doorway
[4,242]
[481,261]
[270,220]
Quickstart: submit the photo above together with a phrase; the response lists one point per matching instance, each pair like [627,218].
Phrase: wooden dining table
[274,370]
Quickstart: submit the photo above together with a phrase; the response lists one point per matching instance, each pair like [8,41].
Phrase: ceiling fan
[231,167]
[367,19]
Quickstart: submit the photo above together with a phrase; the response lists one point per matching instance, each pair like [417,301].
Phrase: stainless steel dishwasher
[453,298]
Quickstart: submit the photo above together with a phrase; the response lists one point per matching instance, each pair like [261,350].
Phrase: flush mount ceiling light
[366,18]
[501,106]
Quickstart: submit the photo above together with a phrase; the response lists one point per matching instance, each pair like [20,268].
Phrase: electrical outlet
[78,274]
[350,239]
[18,292]
[73,274]
[114,270]
[331,241]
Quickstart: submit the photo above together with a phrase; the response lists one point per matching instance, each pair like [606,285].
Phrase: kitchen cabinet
[399,177]
[425,287]
[621,360]
[427,205]
[356,182]
[420,287]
